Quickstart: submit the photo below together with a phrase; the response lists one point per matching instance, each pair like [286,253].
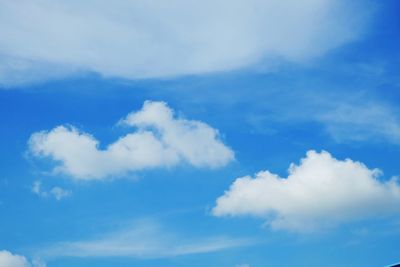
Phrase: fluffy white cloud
[7,259]
[44,39]
[319,192]
[56,192]
[160,140]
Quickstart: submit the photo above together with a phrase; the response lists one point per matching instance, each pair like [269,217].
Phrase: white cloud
[360,122]
[59,193]
[37,188]
[319,192]
[347,116]
[44,39]
[7,259]
[38,263]
[161,140]
[145,239]
[56,192]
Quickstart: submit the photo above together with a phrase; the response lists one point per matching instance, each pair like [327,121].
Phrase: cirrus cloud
[320,192]
[161,140]
[144,239]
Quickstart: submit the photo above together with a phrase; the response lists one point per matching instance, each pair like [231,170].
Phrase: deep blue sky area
[127,128]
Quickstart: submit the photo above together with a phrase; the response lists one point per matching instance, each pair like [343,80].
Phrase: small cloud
[37,189]
[59,193]
[38,263]
[160,139]
[56,192]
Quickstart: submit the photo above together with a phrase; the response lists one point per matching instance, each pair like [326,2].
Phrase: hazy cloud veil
[143,39]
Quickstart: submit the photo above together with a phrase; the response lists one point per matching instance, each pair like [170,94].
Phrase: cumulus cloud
[319,192]
[45,39]
[160,140]
[56,192]
[7,259]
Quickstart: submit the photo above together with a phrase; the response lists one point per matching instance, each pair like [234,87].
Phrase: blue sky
[238,134]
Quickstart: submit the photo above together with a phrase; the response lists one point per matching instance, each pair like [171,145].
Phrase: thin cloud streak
[144,240]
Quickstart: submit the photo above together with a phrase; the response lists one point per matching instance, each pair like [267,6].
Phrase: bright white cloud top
[319,192]
[160,139]
[141,39]
[7,259]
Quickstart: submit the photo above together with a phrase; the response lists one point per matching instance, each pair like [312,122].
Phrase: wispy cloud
[346,115]
[56,191]
[360,122]
[345,118]
[145,239]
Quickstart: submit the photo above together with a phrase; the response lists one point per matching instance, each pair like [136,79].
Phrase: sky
[199,133]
